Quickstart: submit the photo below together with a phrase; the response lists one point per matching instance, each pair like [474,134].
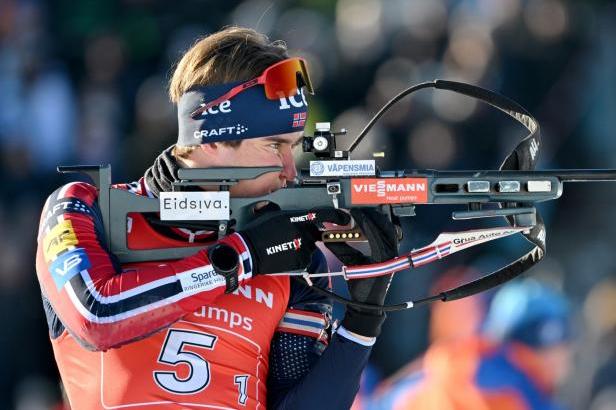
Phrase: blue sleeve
[302,374]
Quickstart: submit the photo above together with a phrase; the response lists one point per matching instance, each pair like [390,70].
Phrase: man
[517,362]
[210,330]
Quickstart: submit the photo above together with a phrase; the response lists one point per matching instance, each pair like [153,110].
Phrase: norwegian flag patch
[299,119]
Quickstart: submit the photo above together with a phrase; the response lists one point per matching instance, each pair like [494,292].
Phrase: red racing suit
[166,335]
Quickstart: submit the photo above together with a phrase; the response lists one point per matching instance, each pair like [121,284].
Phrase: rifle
[336,180]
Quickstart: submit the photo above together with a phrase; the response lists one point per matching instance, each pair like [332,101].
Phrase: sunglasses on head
[283,79]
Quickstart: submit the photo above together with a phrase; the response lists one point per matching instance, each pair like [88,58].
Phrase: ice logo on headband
[237,129]
[287,102]
[223,108]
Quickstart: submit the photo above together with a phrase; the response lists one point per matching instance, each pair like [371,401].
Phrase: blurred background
[84,82]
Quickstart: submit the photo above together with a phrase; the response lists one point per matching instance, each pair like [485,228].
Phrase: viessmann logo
[389,190]
[293,245]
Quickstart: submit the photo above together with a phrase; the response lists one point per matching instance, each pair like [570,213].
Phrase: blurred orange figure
[515,363]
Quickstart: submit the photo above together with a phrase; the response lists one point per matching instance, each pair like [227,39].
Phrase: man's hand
[383,241]
[284,241]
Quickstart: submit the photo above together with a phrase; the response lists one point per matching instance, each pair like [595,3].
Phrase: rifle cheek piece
[224,260]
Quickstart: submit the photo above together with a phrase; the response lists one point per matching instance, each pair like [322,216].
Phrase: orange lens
[282,79]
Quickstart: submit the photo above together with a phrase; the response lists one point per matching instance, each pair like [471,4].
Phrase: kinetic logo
[389,190]
[304,218]
[293,245]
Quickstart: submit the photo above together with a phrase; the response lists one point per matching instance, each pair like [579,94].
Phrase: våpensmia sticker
[196,206]
[360,167]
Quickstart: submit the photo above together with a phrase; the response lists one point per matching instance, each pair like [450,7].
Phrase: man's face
[276,150]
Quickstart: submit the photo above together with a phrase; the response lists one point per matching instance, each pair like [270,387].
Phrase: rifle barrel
[564,175]
[585,175]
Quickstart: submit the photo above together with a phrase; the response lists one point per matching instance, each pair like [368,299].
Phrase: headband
[249,114]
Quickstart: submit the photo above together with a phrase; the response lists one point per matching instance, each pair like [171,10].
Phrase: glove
[383,241]
[283,241]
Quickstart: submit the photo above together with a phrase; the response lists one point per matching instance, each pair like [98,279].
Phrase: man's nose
[289,172]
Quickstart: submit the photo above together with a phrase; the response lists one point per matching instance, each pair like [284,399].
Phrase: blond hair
[231,54]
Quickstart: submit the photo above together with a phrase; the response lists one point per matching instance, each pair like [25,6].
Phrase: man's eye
[275,146]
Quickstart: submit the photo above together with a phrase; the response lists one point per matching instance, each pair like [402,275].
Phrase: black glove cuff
[363,323]
[224,260]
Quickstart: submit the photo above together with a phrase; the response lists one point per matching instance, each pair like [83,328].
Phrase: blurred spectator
[101,108]
[37,108]
[450,323]
[516,363]
[596,388]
